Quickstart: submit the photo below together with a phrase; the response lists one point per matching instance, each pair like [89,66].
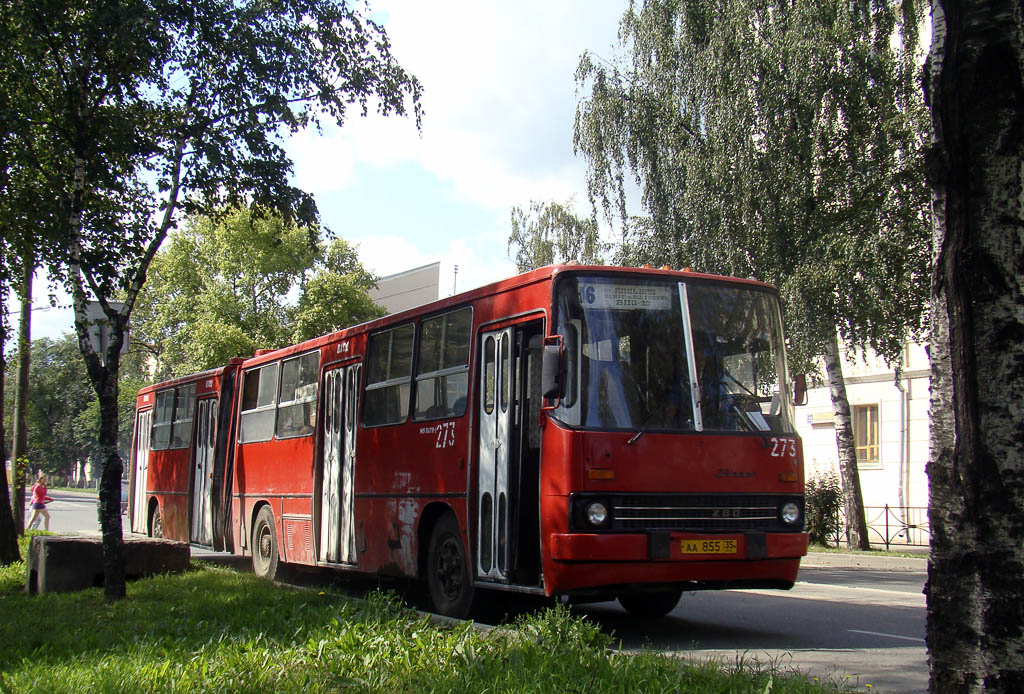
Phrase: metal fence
[891,526]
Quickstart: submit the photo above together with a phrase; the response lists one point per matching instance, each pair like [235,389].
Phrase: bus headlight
[790,513]
[596,513]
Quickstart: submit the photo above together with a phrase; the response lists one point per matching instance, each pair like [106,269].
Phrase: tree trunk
[9,552]
[110,487]
[20,448]
[976,473]
[853,500]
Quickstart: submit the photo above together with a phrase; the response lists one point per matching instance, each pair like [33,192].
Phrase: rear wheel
[656,603]
[448,579]
[264,545]
[156,523]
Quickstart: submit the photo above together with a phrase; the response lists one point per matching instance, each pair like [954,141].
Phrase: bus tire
[156,522]
[448,577]
[265,558]
[656,603]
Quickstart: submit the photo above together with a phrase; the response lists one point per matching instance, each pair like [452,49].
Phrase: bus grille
[698,512]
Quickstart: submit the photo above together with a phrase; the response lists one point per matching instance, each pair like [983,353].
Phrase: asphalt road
[853,624]
[854,619]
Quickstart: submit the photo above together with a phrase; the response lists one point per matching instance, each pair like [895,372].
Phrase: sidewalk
[865,561]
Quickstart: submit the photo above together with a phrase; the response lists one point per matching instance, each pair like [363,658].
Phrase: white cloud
[499,97]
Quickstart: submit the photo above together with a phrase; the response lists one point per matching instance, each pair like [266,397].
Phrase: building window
[865,434]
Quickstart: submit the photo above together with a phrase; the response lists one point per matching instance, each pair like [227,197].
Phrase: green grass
[216,630]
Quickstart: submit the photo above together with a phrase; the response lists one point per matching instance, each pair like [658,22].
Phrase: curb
[864,561]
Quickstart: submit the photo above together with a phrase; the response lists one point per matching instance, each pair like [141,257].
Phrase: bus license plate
[708,546]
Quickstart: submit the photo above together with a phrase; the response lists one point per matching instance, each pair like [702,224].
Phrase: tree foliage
[136,111]
[225,286]
[781,140]
[552,233]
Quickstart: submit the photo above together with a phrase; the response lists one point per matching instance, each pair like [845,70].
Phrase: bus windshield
[661,355]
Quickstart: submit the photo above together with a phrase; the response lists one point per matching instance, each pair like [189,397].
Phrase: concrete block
[61,563]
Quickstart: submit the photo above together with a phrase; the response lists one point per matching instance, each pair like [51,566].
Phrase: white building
[891,431]
[407,289]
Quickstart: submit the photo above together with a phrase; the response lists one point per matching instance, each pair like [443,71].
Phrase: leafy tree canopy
[62,410]
[135,110]
[550,232]
[781,140]
[225,286]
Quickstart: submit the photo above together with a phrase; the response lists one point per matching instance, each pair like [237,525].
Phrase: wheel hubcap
[449,568]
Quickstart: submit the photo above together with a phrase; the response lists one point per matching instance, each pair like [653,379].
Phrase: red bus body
[421,439]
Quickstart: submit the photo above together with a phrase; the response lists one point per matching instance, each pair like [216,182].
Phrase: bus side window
[298,395]
[259,395]
[388,376]
[442,373]
[184,404]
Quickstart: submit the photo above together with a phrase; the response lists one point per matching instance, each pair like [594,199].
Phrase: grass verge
[216,630]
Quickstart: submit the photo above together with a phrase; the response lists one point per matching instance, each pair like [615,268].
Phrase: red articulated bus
[180,475]
[590,432]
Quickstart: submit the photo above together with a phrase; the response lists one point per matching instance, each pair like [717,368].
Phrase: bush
[823,499]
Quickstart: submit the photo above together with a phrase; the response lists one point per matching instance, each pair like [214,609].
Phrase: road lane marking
[888,636]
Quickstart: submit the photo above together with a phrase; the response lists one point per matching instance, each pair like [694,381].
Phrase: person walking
[38,503]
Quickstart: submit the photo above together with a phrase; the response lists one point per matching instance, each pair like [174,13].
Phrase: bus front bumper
[702,560]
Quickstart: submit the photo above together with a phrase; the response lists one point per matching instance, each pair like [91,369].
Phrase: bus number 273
[783,448]
[445,435]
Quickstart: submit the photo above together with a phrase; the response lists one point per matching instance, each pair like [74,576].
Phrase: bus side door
[337,517]
[495,412]
[140,466]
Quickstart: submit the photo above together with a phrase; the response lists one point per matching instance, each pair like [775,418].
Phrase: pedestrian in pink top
[38,503]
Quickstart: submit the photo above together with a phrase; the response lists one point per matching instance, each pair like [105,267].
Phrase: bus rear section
[180,467]
[670,456]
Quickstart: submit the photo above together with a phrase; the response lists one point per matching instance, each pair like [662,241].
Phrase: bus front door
[140,467]
[495,412]
[202,470]
[337,515]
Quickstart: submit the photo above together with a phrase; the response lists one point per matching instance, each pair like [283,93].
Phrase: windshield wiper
[642,430]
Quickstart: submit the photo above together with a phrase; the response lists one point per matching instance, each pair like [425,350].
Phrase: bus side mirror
[552,382]
[800,389]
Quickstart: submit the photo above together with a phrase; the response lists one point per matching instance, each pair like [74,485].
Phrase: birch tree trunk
[20,426]
[853,499]
[9,552]
[975,585]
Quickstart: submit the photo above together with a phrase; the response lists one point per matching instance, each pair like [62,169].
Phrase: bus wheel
[657,603]
[156,523]
[448,580]
[264,545]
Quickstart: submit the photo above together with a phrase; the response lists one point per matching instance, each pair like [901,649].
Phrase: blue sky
[499,101]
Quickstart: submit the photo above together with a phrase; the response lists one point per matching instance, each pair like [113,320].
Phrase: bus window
[297,408]
[163,417]
[442,374]
[388,377]
[258,398]
[184,403]
[172,423]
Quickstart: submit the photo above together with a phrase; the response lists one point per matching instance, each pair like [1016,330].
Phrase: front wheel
[448,579]
[264,545]
[657,603]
